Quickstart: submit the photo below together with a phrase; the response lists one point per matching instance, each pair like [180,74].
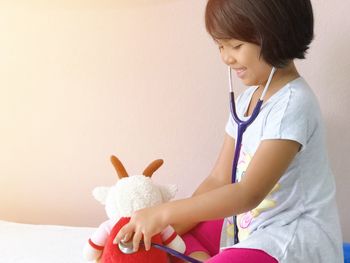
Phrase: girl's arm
[219,176]
[269,163]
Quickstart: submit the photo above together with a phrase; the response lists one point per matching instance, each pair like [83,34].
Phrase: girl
[285,195]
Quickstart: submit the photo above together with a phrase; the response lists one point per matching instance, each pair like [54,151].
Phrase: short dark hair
[283,29]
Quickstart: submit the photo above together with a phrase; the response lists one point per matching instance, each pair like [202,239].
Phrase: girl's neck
[281,77]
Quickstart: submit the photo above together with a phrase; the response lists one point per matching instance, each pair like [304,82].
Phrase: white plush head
[132,193]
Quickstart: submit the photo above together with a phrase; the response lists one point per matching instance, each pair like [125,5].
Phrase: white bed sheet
[25,243]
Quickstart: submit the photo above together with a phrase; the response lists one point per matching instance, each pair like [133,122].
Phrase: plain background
[141,79]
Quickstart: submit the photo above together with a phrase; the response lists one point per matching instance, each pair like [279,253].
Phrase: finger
[136,240]
[147,241]
[121,234]
[127,237]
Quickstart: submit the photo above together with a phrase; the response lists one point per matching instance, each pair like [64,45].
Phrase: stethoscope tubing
[127,248]
[175,253]
[241,127]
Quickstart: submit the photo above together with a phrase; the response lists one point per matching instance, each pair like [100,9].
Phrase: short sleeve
[289,119]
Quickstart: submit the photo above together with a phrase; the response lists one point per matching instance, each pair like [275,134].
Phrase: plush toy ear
[119,167]
[100,194]
[168,192]
[152,167]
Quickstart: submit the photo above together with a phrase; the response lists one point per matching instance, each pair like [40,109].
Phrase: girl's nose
[227,57]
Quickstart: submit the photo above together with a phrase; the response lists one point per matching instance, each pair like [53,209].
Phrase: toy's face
[131,194]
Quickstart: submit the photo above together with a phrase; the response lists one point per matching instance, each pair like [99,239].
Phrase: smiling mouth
[240,72]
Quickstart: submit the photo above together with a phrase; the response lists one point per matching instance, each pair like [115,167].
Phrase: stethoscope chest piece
[126,247]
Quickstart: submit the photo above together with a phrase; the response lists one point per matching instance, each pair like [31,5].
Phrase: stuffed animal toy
[130,194]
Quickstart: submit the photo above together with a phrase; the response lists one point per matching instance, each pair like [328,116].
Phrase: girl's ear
[168,192]
[100,194]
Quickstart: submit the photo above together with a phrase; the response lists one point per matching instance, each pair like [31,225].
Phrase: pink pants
[205,237]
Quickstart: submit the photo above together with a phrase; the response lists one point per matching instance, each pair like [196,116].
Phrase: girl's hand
[143,223]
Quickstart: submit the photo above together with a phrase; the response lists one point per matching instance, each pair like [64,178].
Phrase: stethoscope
[127,247]
[242,125]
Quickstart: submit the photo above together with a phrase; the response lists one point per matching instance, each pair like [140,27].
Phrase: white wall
[82,80]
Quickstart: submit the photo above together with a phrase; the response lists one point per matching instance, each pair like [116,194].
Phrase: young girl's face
[244,58]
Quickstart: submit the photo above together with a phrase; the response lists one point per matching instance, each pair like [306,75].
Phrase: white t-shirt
[298,220]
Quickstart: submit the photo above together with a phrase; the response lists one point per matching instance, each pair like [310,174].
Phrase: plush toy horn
[118,166]
[152,167]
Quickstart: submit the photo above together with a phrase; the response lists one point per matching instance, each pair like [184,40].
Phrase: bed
[25,243]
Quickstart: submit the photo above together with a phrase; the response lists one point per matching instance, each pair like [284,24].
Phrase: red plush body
[112,254]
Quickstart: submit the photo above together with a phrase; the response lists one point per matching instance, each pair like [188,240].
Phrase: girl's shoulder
[296,94]
[299,86]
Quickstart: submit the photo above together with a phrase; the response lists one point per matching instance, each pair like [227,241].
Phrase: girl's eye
[238,46]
